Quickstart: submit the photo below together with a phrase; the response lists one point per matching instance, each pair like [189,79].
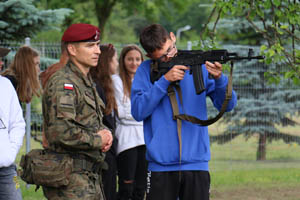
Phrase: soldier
[72,113]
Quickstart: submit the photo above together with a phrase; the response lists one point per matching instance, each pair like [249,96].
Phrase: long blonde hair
[125,77]
[24,70]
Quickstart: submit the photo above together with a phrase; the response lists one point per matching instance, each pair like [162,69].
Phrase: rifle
[194,59]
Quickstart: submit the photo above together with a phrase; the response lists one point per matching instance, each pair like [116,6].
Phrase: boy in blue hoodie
[178,163]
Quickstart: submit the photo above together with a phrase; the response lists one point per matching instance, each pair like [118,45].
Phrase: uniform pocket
[90,100]
[65,107]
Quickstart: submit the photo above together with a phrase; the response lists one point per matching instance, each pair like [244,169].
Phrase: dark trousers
[174,185]
[132,172]
[109,179]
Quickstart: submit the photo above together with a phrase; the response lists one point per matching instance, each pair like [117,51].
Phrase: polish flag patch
[68,86]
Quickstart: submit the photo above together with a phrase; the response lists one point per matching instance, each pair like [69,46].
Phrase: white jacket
[12,124]
[128,131]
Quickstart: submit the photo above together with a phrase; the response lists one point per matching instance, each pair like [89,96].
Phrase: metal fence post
[28,117]
[189,45]
[28,113]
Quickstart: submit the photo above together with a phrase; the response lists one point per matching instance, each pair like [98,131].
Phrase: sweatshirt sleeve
[14,130]
[216,90]
[145,96]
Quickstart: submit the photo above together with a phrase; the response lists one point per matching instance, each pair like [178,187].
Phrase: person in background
[178,151]
[72,113]
[12,130]
[3,53]
[64,58]
[23,73]
[131,161]
[107,66]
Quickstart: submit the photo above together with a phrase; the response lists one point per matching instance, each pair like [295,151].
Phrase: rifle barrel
[246,57]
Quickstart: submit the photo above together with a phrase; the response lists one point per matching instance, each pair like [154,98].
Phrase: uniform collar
[88,81]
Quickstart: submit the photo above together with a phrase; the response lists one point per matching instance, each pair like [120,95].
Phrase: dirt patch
[273,193]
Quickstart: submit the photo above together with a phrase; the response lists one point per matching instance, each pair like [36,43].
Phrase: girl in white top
[12,130]
[132,165]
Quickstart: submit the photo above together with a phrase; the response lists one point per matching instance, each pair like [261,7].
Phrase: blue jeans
[9,190]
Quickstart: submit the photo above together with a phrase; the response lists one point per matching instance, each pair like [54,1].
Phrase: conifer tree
[261,107]
[268,93]
[21,19]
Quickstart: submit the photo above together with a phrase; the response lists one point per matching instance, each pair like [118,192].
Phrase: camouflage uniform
[72,118]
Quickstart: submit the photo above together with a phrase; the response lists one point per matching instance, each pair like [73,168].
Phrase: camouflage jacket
[72,112]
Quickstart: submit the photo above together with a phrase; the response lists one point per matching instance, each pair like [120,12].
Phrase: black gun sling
[178,117]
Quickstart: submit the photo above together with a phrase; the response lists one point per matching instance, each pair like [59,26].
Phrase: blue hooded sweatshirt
[150,103]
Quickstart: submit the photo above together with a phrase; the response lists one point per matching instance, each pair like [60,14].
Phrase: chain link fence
[263,126]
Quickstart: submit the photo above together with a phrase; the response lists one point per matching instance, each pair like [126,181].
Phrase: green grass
[239,149]
[235,173]
[28,191]
[256,184]
[262,177]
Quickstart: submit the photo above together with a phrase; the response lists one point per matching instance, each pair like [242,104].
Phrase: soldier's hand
[109,143]
[214,69]
[106,138]
[176,73]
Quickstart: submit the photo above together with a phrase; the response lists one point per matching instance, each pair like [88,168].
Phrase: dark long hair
[101,75]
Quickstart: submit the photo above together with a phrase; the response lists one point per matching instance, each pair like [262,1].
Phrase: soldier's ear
[72,49]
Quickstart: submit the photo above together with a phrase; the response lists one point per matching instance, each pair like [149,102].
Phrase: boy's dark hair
[153,37]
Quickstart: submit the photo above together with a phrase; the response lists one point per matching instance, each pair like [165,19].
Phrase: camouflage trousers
[83,185]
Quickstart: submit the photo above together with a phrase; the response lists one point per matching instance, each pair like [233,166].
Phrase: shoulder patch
[68,86]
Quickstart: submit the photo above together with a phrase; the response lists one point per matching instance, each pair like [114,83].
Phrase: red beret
[81,32]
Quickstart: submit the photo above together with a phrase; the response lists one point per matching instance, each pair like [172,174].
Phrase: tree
[277,21]
[102,9]
[261,108]
[192,13]
[20,19]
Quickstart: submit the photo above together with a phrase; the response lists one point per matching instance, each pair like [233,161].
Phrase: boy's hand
[176,73]
[214,69]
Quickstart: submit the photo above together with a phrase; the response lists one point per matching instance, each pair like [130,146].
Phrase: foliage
[192,13]
[20,19]
[99,12]
[277,21]
[122,21]
[121,29]
[262,107]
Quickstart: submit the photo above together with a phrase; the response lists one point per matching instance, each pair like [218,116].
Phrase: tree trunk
[103,11]
[261,150]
